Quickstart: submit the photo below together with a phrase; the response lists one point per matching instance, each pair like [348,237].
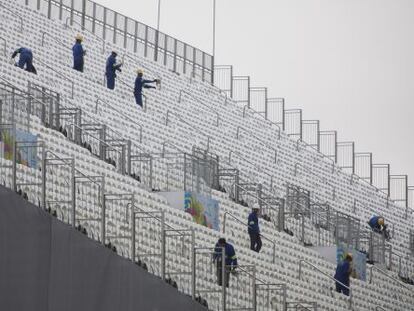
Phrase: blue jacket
[373,222]
[111,66]
[24,53]
[141,83]
[230,254]
[343,271]
[78,51]
[253,223]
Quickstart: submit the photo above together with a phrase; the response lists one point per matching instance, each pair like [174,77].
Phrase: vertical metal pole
[224,222]
[254,289]
[128,158]
[14,163]
[284,308]
[151,171]
[43,177]
[73,203]
[83,14]
[214,28]
[223,277]
[185,173]
[125,32]
[133,229]
[103,216]
[193,273]
[163,241]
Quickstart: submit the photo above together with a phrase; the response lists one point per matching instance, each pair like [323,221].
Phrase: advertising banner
[203,209]
[25,155]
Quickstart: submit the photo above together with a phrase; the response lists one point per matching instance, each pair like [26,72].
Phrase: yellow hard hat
[79,37]
[140,71]
[381,221]
[349,256]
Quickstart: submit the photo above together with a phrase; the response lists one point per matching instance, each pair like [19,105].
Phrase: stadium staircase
[103,160]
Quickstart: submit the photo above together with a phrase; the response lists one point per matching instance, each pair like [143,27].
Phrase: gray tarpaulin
[46,265]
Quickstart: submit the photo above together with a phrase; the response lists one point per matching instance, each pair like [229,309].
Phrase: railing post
[103,219]
[43,177]
[193,273]
[254,290]
[133,241]
[223,277]
[73,193]
[14,178]
[300,269]
[163,241]
[224,222]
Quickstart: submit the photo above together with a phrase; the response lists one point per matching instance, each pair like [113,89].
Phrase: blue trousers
[25,60]
[78,64]
[138,99]
[110,82]
[341,289]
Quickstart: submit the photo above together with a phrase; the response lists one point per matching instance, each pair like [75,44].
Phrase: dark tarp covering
[45,265]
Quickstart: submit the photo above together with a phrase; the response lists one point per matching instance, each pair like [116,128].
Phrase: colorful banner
[203,209]
[359,261]
[25,155]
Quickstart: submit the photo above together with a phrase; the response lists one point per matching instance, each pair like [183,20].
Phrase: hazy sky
[348,63]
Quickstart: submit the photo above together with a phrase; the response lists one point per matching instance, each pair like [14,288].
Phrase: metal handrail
[22,91]
[15,14]
[88,31]
[4,46]
[385,274]
[325,274]
[253,164]
[192,126]
[61,75]
[261,235]
[300,140]
[301,305]
[165,143]
[279,134]
[44,33]
[323,179]
[253,135]
[200,102]
[122,114]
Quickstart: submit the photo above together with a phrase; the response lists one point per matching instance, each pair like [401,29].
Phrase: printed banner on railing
[359,261]
[25,155]
[204,210]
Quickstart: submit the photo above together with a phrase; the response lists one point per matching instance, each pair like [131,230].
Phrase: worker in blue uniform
[230,261]
[111,68]
[25,59]
[377,224]
[141,83]
[342,274]
[254,230]
[78,53]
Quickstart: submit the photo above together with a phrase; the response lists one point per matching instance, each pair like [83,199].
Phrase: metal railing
[44,34]
[72,21]
[279,130]
[301,306]
[231,152]
[323,180]
[4,46]
[396,281]
[200,102]
[248,226]
[63,76]
[257,138]
[99,100]
[379,308]
[189,124]
[302,261]
[15,14]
